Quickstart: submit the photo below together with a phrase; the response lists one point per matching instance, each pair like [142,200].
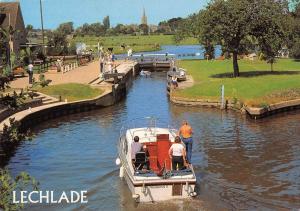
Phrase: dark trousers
[177,160]
[140,166]
[30,77]
[101,67]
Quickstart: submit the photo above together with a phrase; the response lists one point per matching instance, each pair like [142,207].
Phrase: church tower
[144,18]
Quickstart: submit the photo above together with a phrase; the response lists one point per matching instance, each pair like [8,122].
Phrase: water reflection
[240,163]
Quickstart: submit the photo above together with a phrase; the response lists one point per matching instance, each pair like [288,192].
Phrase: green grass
[257,85]
[137,43]
[71,91]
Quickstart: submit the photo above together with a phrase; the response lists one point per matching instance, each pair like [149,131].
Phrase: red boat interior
[159,153]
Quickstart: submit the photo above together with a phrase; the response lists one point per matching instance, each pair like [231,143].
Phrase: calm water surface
[240,163]
[181,51]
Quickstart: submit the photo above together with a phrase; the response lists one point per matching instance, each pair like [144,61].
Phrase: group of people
[107,63]
[180,151]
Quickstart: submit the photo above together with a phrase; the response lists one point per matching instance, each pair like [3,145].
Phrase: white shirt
[30,67]
[135,147]
[177,149]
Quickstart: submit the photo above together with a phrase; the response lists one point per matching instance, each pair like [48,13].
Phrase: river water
[239,163]
[185,52]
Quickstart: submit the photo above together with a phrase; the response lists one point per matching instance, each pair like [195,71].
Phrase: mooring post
[222,97]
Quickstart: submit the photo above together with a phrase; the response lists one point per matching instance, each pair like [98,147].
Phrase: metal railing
[149,57]
[151,123]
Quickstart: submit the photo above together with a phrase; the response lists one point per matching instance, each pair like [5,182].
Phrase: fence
[68,67]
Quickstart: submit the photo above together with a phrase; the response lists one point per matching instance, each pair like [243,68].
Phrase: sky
[91,11]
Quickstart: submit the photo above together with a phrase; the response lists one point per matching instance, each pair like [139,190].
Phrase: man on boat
[186,133]
[136,147]
[177,154]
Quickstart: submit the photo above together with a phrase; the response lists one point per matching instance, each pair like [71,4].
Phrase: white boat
[145,73]
[180,74]
[159,183]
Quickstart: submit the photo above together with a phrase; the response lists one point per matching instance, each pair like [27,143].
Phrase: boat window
[125,146]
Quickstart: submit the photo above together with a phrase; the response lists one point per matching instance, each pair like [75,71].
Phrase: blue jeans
[188,145]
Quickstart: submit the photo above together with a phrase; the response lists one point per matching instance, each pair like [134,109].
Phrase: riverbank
[138,43]
[257,87]
[77,97]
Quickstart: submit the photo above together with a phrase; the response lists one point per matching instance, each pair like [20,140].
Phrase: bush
[42,81]
[8,184]
[13,133]
[295,51]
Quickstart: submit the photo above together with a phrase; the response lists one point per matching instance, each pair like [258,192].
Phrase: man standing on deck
[186,133]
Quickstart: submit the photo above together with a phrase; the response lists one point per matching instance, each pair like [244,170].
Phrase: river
[185,52]
[240,163]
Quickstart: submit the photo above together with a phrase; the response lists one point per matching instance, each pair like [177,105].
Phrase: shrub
[13,133]
[8,184]
[42,81]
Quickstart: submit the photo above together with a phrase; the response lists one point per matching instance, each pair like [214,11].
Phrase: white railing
[68,67]
[147,122]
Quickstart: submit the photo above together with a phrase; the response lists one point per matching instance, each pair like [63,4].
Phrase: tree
[144,28]
[295,31]
[66,28]
[58,42]
[227,23]
[106,22]
[234,24]
[29,28]
[267,26]
[8,184]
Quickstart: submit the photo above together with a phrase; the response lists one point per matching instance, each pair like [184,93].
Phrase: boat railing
[148,122]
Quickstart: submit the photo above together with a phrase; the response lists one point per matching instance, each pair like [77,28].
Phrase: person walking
[30,72]
[186,132]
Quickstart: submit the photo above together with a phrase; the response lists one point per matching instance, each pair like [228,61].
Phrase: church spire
[144,17]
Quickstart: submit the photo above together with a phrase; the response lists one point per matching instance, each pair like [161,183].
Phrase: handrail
[152,123]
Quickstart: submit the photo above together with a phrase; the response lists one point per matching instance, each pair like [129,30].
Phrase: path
[82,74]
[186,84]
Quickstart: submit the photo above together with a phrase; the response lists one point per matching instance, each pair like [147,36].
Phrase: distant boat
[145,73]
[180,74]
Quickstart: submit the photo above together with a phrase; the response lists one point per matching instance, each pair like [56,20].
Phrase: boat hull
[160,191]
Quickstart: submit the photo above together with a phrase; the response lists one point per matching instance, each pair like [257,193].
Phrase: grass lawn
[137,43]
[71,91]
[257,85]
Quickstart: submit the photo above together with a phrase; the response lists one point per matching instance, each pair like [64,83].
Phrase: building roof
[9,11]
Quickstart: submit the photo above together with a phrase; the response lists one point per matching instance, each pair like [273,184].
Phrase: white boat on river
[159,182]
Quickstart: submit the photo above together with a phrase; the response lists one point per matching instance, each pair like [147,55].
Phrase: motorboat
[179,73]
[159,182]
[145,73]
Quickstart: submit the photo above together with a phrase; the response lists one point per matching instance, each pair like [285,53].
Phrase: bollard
[222,97]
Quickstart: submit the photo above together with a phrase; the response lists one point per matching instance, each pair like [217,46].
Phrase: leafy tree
[106,22]
[57,40]
[29,28]
[235,23]
[66,28]
[294,44]
[267,26]
[144,28]
[295,50]
[8,184]
[97,29]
